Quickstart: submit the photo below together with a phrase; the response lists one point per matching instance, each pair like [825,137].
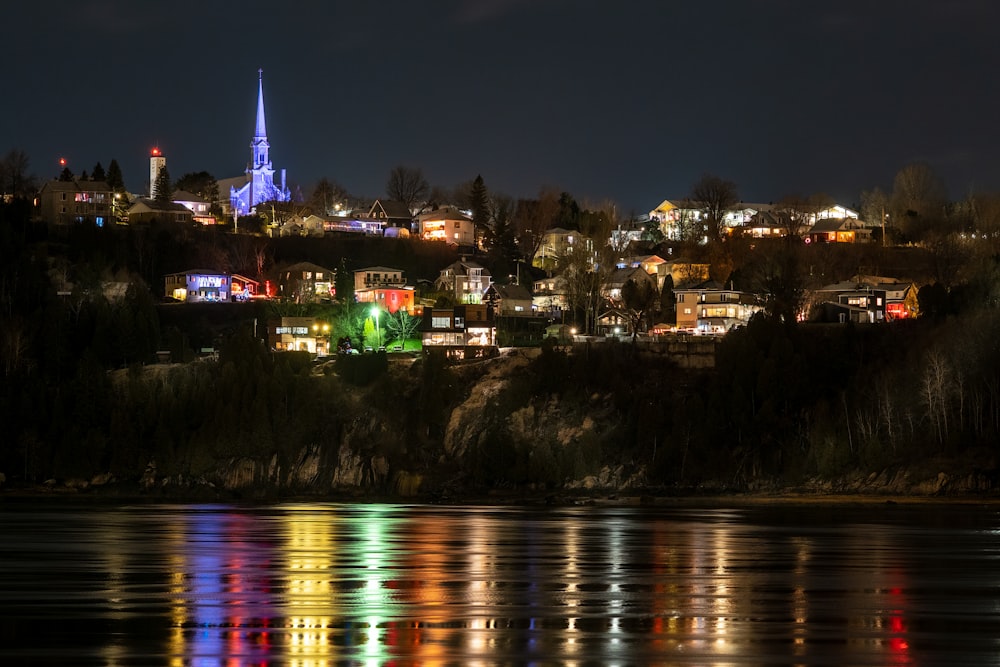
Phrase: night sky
[627,100]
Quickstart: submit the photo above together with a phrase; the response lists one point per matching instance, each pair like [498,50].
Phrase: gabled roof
[307,266]
[144,205]
[443,213]
[836,225]
[379,269]
[512,292]
[392,209]
[621,276]
[184,195]
[462,266]
[76,186]
[198,272]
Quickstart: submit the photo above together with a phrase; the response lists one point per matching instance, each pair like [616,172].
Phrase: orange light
[155,151]
[62,162]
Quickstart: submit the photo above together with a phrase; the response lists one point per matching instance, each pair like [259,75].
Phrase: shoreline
[499,498]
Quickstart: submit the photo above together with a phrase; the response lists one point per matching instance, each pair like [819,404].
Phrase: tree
[639,299]
[918,199]
[714,196]
[401,325]
[327,196]
[599,221]
[875,208]
[14,176]
[668,301]
[502,242]
[66,176]
[532,218]
[479,204]
[114,178]
[407,185]
[200,183]
[162,187]
[97,173]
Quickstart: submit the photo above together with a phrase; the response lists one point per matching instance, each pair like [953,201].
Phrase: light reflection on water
[311,585]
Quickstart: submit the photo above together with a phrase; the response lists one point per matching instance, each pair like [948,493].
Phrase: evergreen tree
[84,176]
[98,173]
[668,301]
[163,187]
[66,175]
[114,177]
[479,203]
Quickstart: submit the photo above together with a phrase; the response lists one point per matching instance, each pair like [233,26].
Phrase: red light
[155,152]
[62,162]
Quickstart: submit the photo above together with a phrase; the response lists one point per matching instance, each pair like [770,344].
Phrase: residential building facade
[466,281]
[462,332]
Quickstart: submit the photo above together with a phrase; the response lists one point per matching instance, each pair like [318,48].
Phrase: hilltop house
[446,224]
[549,296]
[383,286]
[150,210]
[710,308]
[394,216]
[465,281]
[305,283]
[839,230]
[64,202]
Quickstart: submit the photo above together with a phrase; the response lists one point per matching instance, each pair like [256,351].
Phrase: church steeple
[259,146]
[261,127]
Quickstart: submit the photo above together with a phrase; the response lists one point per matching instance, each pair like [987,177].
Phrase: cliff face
[510,424]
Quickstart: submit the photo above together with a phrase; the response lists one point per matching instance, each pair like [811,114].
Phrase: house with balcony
[67,202]
[299,334]
[385,287]
[305,282]
[549,296]
[466,281]
[710,308]
[446,224]
[462,332]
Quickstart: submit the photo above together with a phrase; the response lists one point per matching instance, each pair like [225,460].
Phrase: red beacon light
[155,152]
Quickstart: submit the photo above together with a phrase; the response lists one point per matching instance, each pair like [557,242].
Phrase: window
[438,322]
[459,322]
[458,225]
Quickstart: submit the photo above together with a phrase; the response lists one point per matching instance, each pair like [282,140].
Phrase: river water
[319,584]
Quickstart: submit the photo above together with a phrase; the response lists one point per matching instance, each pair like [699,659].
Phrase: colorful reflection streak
[312,585]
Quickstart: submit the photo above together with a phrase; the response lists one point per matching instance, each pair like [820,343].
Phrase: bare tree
[639,300]
[918,198]
[14,176]
[714,196]
[327,196]
[407,185]
[532,218]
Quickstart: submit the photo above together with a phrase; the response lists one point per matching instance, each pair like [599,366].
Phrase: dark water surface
[328,584]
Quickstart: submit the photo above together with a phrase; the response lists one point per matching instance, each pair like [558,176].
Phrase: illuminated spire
[261,129]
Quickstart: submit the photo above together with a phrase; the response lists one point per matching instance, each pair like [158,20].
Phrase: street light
[378,332]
